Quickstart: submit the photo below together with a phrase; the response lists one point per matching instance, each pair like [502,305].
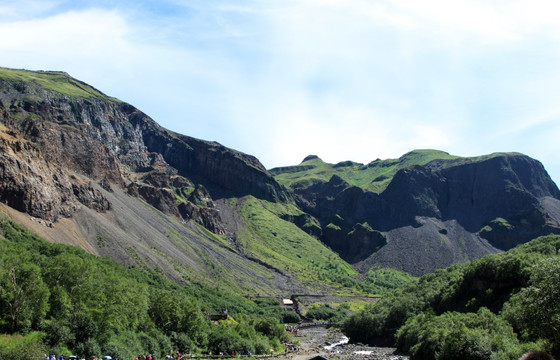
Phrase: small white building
[288,303]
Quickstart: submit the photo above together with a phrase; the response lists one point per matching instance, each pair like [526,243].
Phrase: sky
[342,79]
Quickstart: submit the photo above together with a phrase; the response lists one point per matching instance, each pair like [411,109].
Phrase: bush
[535,311]
[290,317]
[270,328]
[466,344]
[327,313]
[223,340]
[87,348]
[452,335]
[16,347]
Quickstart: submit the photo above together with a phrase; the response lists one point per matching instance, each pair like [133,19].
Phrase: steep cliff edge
[430,214]
[84,169]
[84,162]
[69,127]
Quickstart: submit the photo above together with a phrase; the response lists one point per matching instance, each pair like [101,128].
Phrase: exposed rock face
[476,193]
[55,135]
[492,204]
[61,153]
[31,184]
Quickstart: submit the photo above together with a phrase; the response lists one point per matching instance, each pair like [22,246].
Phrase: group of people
[177,356]
[292,330]
[72,357]
[290,347]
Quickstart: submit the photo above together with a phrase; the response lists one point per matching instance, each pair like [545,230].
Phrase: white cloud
[68,38]
[345,80]
[25,9]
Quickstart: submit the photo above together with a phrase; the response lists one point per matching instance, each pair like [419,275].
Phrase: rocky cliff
[431,215]
[52,137]
[98,173]
[81,168]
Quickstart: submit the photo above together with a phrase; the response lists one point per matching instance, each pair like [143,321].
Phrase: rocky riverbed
[330,344]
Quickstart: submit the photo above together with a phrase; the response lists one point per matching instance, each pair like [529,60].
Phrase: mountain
[427,209]
[79,167]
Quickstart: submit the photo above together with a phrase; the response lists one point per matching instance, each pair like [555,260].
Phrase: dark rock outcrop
[32,184]
[114,144]
[61,152]
[493,203]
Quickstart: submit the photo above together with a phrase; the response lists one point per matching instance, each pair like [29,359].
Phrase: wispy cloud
[346,80]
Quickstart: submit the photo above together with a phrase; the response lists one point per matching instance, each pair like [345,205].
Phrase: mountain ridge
[145,195]
[492,202]
[110,180]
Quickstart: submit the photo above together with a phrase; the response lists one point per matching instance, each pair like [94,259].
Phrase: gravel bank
[318,341]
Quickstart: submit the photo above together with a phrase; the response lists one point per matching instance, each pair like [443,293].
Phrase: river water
[333,345]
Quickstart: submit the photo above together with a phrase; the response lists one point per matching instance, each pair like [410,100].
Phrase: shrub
[17,347]
[327,313]
[535,310]
[290,317]
[452,335]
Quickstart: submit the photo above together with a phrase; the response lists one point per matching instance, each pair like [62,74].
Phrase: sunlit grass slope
[282,245]
[54,80]
[374,176]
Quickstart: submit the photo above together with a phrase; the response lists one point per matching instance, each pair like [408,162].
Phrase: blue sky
[343,79]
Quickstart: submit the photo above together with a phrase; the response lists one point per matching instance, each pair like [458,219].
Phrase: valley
[154,229]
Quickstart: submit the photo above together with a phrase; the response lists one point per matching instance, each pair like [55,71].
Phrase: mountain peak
[310,157]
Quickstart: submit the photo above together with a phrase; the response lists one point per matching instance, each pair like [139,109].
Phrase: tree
[23,294]
[535,310]
[174,312]
[452,335]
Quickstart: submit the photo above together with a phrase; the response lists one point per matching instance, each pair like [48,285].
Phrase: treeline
[497,307]
[58,299]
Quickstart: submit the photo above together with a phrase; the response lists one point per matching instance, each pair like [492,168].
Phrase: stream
[334,345]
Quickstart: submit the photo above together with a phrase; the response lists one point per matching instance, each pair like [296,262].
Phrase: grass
[57,81]
[283,245]
[374,176]
[497,223]
[382,280]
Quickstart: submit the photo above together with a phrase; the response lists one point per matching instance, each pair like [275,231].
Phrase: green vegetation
[381,281]
[18,347]
[53,80]
[283,245]
[373,177]
[56,298]
[496,307]
[458,336]
[326,312]
[270,235]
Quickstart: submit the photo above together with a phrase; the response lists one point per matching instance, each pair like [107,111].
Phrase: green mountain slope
[59,299]
[284,246]
[374,176]
[501,305]
[57,81]
[85,169]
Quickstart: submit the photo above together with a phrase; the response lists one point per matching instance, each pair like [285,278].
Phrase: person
[536,355]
